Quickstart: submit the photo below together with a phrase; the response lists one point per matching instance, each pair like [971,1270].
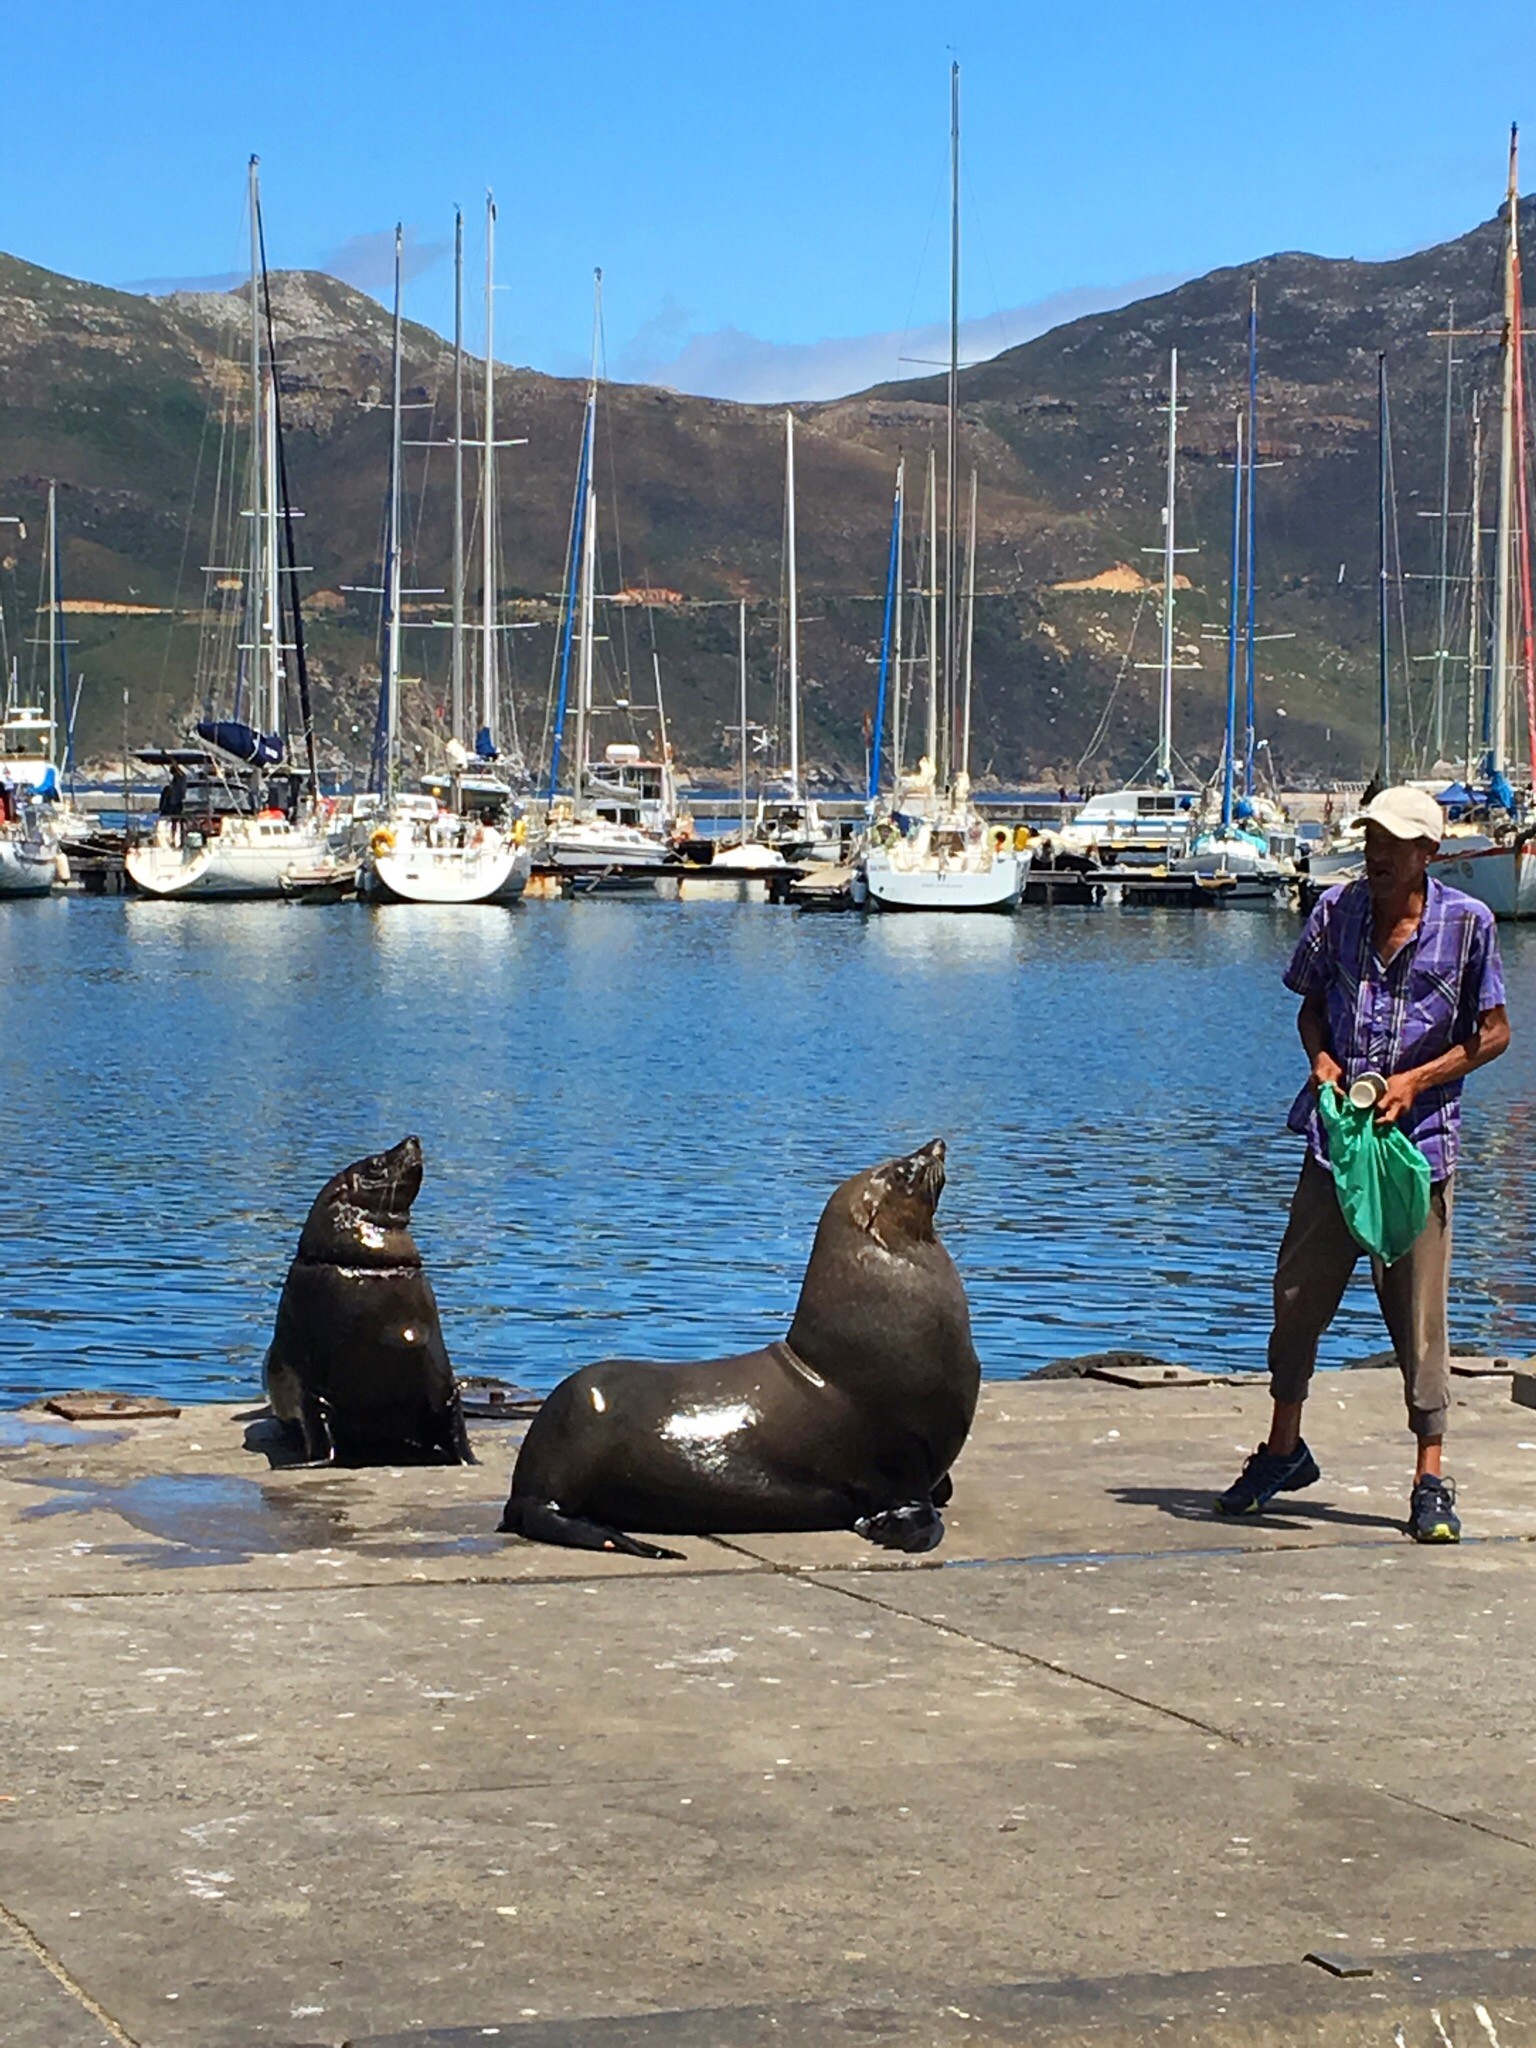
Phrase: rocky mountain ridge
[136,406]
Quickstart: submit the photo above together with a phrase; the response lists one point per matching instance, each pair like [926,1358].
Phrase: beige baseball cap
[1407,814]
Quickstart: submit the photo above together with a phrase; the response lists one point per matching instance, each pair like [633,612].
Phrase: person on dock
[1400,977]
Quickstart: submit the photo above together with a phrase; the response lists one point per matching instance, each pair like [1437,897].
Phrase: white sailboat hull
[28,867]
[1502,876]
[601,848]
[988,881]
[493,872]
[247,858]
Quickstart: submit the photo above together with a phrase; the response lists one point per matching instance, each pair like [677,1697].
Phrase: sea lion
[850,1422]
[357,1365]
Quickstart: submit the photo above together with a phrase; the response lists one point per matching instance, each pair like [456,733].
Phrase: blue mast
[1227,761]
[56,628]
[1253,456]
[578,537]
[892,577]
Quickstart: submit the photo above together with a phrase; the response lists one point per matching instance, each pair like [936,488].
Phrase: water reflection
[632,1113]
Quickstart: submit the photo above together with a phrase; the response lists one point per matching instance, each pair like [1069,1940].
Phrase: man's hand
[1325,1069]
[1401,1091]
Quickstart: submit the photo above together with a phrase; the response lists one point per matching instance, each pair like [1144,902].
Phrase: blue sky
[762,184]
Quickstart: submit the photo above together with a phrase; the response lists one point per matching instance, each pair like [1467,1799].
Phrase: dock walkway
[300,1757]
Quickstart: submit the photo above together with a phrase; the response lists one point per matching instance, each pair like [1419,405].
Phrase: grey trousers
[1317,1256]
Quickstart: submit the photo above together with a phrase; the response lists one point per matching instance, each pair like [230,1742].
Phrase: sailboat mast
[271,606]
[1228,761]
[488,680]
[1252,443]
[457,723]
[1504,541]
[952,431]
[793,599]
[901,598]
[392,555]
[1442,651]
[741,660]
[1475,662]
[53,610]
[1384,691]
[964,764]
[887,627]
[588,606]
[253,706]
[933,612]
[1165,695]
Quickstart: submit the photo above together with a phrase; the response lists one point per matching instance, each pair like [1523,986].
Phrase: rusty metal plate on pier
[1150,1375]
[109,1407]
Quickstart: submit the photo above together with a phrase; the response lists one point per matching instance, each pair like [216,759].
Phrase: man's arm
[1312,1025]
[1486,1043]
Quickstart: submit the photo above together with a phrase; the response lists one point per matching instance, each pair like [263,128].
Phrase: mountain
[135,406]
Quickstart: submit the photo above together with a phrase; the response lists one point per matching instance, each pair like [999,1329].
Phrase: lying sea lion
[357,1364]
[851,1422]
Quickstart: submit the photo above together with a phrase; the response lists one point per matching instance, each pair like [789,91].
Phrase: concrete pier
[300,1757]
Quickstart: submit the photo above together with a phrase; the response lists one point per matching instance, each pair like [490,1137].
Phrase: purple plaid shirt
[1385,1019]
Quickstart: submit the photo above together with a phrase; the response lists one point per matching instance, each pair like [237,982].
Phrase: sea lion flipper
[541,1521]
[453,1437]
[915,1526]
[319,1444]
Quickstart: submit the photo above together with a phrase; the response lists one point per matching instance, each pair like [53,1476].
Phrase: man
[1398,976]
[173,801]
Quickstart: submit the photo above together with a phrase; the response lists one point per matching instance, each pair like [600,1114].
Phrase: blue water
[633,1111]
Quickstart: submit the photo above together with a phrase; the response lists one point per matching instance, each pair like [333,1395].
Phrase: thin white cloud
[729,363]
[368,261]
[159,287]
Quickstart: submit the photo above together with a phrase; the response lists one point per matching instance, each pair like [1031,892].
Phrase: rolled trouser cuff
[1428,1422]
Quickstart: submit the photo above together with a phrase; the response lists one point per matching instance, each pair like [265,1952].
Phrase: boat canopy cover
[260,749]
[1457,797]
[485,746]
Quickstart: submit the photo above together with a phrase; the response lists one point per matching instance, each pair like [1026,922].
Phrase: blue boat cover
[261,749]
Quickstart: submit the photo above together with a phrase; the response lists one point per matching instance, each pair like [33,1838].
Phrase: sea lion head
[882,1310]
[362,1216]
[894,1202]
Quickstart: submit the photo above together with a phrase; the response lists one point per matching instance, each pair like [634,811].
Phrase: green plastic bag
[1381,1176]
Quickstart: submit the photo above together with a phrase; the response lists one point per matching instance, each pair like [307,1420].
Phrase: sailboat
[249,824]
[615,827]
[741,859]
[37,819]
[457,842]
[1148,822]
[1498,865]
[934,850]
[788,822]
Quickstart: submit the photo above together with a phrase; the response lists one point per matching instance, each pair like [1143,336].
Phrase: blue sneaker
[1266,1474]
[1432,1516]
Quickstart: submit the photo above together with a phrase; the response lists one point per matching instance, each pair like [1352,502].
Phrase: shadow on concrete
[1193,1504]
[272,1440]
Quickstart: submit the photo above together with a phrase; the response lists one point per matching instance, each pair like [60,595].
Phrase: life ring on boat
[383,841]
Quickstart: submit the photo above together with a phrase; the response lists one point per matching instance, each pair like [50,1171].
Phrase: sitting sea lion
[851,1422]
[357,1363]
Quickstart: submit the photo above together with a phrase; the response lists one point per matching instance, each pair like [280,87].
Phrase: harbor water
[633,1111]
